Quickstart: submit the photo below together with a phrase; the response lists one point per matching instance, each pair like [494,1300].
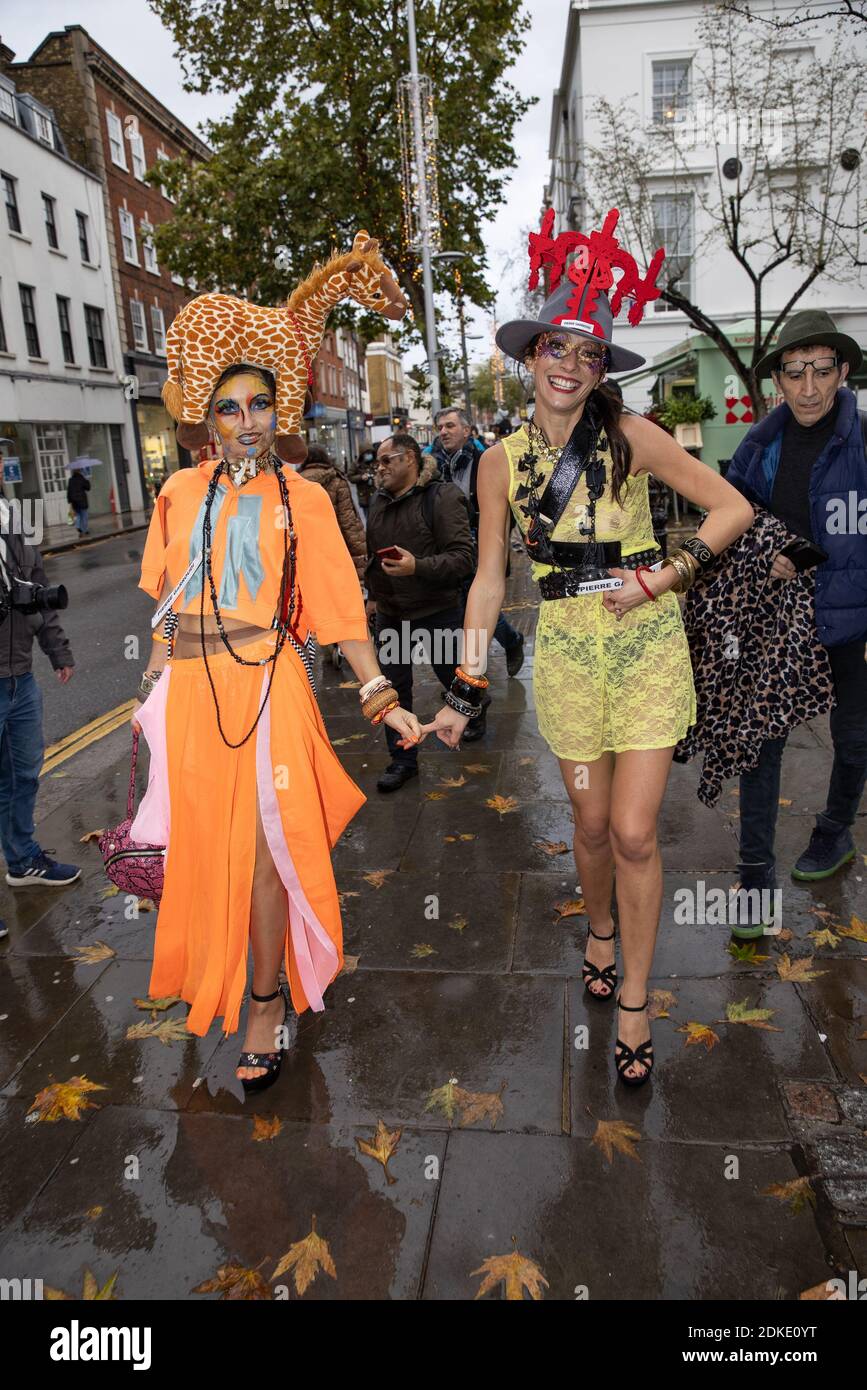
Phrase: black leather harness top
[579,457]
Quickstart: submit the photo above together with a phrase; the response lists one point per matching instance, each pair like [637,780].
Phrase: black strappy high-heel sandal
[272,1060]
[643,1053]
[607,975]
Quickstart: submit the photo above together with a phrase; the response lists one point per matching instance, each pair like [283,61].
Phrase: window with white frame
[673,229]
[115,140]
[150,250]
[49,207]
[43,129]
[127,236]
[158,328]
[83,239]
[162,154]
[95,335]
[670,90]
[139,327]
[137,150]
[176,278]
[7,105]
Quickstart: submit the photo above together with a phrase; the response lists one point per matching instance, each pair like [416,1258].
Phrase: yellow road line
[87,734]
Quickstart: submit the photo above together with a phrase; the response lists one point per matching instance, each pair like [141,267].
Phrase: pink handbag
[133,867]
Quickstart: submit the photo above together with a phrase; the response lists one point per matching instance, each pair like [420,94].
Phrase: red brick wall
[144,202]
[328,370]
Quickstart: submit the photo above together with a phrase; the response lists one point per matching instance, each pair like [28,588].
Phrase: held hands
[404,566]
[407,725]
[136,726]
[448,726]
[782,568]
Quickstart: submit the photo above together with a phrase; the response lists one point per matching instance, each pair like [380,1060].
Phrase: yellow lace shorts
[602,685]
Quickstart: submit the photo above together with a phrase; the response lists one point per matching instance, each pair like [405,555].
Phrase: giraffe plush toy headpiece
[214,331]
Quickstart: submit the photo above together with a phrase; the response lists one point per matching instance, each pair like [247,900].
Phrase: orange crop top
[247,538]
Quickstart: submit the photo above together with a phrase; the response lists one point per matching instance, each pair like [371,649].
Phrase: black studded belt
[568,583]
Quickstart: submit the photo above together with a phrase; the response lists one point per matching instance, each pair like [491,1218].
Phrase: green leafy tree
[311,150]
[483,388]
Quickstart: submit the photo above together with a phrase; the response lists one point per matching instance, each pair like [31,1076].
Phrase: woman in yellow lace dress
[612,677]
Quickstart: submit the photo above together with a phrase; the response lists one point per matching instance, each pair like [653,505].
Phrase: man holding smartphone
[805,463]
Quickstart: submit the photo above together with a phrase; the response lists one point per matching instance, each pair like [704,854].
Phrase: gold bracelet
[685,573]
[378,700]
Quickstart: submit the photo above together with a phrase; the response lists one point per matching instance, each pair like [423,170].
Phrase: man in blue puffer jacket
[805,462]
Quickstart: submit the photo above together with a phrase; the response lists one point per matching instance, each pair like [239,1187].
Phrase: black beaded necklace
[537,539]
[280,623]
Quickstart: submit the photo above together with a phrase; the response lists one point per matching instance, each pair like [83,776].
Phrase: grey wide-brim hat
[515,337]
[802,330]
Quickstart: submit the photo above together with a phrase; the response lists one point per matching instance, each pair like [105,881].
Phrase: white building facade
[645,51]
[62,396]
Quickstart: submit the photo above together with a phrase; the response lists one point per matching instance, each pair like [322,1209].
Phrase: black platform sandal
[607,975]
[643,1053]
[272,1060]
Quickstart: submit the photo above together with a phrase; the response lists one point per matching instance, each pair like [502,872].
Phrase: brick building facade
[113,126]
[336,419]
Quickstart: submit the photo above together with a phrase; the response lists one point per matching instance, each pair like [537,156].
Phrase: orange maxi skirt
[207,793]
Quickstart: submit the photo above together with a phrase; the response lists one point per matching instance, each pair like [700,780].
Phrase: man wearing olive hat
[805,463]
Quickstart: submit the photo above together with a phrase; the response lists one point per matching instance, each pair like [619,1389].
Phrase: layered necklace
[538,535]
[285,606]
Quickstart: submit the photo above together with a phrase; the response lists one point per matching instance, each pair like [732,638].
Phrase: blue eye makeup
[226,407]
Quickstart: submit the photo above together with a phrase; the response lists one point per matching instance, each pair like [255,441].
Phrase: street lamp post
[423,219]
[454,258]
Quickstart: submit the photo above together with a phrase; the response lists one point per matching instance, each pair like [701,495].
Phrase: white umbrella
[84,462]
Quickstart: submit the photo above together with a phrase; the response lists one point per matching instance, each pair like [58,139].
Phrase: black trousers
[428,640]
[760,789]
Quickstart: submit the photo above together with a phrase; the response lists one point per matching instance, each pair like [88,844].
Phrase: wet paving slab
[671,1221]
[838,1006]
[431,921]
[30,1154]
[165,1200]
[715,1085]
[67,929]
[36,995]
[90,1039]
[694,936]
[388,1041]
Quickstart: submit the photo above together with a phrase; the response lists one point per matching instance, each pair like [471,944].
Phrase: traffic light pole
[424,222]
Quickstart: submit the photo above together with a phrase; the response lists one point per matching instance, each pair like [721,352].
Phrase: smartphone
[803,554]
[389,552]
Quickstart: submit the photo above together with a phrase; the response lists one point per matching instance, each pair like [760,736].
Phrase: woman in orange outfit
[245,789]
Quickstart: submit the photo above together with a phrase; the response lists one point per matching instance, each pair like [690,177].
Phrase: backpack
[428,508]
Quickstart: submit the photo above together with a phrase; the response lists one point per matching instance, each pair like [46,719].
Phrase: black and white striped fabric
[307,653]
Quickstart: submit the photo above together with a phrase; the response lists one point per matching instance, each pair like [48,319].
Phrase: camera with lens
[26,597]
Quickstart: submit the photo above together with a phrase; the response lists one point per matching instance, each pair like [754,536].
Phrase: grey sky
[136,38]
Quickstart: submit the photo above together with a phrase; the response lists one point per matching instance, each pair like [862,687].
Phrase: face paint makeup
[559,345]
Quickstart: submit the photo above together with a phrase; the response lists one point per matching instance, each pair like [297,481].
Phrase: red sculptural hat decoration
[592,271]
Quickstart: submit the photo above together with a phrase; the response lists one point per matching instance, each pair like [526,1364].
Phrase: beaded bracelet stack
[465,693]
[377,698]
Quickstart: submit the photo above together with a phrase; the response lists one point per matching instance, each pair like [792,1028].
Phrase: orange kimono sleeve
[153,560]
[330,589]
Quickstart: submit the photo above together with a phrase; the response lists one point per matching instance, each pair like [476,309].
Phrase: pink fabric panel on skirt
[314,951]
[151,822]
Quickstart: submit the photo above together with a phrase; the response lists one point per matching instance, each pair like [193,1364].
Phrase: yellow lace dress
[603,684]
